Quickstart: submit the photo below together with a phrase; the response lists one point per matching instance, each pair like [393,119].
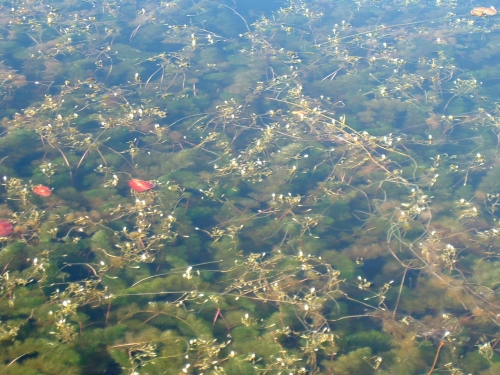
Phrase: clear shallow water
[325,200]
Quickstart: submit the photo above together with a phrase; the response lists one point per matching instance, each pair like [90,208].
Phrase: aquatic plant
[321,188]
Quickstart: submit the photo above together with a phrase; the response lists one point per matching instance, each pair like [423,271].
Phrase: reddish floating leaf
[43,191]
[5,228]
[483,11]
[140,185]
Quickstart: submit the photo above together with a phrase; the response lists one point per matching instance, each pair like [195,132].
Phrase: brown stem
[441,344]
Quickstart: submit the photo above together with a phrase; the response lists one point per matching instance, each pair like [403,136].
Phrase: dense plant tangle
[320,188]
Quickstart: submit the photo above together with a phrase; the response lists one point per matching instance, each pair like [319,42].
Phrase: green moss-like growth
[33,357]
[353,363]
[377,341]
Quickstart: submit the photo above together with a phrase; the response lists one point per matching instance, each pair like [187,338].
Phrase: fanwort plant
[325,192]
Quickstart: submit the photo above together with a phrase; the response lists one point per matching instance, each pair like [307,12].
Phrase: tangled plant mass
[317,188]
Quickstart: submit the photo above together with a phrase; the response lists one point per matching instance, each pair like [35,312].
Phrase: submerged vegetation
[314,188]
